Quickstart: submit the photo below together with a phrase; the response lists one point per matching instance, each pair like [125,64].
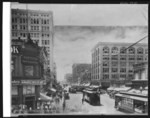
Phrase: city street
[74,106]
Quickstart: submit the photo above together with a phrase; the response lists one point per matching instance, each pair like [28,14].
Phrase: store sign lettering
[14,49]
[32,82]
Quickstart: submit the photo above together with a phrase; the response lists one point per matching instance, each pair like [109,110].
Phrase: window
[123,64]
[105,70]
[114,76]
[139,58]
[131,57]
[106,76]
[122,57]
[123,70]
[114,70]
[105,50]
[123,76]
[131,50]
[28,71]
[114,57]
[106,64]
[114,50]
[123,50]
[140,50]
[106,58]
[28,89]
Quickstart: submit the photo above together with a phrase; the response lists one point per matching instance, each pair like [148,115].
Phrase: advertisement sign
[32,82]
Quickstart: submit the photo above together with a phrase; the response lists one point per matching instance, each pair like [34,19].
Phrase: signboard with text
[29,82]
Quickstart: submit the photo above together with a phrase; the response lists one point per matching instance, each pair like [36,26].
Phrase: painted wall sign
[33,82]
[15,49]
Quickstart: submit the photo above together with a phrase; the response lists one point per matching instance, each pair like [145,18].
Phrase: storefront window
[29,89]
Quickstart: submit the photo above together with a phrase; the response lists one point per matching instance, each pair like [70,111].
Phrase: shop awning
[44,97]
[52,89]
[132,97]
[110,88]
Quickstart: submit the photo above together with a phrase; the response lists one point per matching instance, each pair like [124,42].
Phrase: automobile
[102,91]
[72,90]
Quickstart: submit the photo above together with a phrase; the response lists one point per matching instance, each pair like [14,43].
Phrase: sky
[78,28]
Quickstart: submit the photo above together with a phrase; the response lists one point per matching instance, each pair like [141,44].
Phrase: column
[143,75]
[136,76]
[20,92]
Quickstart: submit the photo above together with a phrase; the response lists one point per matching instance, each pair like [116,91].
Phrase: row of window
[30,14]
[33,35]
[32,21]
[45,42]
[123,50]
[113,76]
[105,70]
[125,58]
[34,28]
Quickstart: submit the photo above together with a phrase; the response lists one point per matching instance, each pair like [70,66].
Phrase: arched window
[105,50]
[131,50]
[123,50]
[140,50]
[114,50]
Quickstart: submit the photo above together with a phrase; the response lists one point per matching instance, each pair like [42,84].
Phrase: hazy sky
[78,28]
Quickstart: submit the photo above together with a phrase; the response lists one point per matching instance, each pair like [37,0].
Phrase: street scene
[78,59]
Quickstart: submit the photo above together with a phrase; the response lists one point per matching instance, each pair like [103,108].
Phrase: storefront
[131,103]
[27,76]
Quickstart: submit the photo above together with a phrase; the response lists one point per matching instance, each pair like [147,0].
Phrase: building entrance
[30,102]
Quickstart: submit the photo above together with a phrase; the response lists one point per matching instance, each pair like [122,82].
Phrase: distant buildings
[112,64]
[68,78]
[40,26]
[79,70]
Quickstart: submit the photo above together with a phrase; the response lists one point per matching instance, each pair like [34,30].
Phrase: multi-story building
[78,70]
[26,73]
[40,26]
[113,62]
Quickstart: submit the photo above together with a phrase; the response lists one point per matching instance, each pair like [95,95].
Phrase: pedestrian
[64,102]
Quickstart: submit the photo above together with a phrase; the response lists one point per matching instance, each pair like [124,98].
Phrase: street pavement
[74,106]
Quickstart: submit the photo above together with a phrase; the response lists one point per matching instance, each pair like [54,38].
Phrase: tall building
[40,26]
[78,70]
[111,63]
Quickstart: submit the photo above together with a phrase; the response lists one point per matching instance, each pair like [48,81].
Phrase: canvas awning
[44,97]
[52,89]
[110,88]
[133,97]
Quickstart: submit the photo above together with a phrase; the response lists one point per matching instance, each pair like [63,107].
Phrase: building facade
[113,62]
[78,70]
[26,73]
[40,26]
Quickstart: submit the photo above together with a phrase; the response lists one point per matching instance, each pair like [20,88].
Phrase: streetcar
[91,96]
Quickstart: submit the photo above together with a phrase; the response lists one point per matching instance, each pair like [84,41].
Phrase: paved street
[75,106]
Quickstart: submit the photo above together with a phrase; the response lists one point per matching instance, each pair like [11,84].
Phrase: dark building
[27,73]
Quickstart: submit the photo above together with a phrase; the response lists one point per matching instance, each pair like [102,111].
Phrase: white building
[40,26]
